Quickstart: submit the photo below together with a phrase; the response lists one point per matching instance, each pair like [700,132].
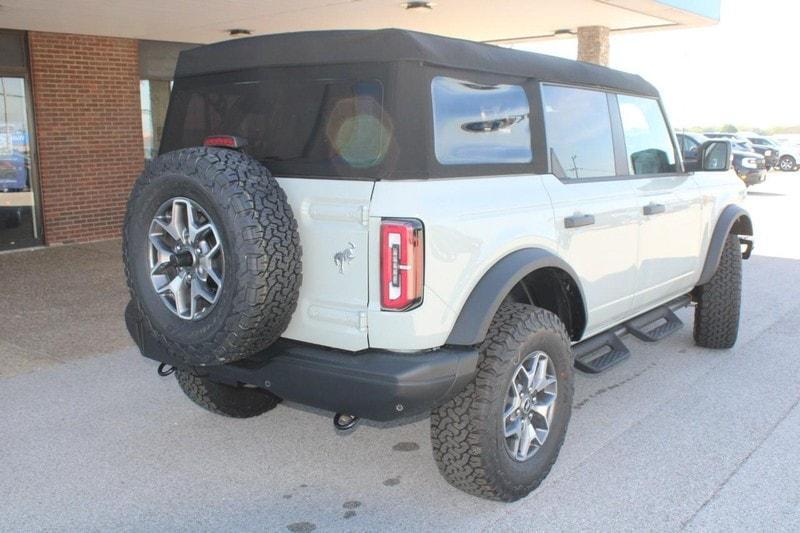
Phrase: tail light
[225,141]
[402,264]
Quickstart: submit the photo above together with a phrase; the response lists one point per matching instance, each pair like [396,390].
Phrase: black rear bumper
[372,384]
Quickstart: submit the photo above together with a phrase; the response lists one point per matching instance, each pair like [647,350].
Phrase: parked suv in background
[768,148]
[790,155]
[770,153]
[387,223]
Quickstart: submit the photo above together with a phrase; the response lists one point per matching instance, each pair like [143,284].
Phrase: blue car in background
[13,172]
[13,161]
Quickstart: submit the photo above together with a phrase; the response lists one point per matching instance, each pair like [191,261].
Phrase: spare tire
[212,255]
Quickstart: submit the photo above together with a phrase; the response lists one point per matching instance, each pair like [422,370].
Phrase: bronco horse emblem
[345,256]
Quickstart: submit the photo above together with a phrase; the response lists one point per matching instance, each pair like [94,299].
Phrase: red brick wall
[88,130]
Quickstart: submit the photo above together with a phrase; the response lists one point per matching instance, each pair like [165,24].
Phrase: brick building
[84,86]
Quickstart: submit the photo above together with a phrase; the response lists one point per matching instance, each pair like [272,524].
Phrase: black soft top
[394,45]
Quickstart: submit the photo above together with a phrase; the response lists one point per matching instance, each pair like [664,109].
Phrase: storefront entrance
[19,213]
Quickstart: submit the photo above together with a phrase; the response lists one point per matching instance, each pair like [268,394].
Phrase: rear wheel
[227,400]
[499,437]
[716,317]
[787,163]
[212,255]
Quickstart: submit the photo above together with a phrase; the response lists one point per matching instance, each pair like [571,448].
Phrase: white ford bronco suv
[386,223]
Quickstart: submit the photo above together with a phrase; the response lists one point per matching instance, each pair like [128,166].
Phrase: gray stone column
[593,44]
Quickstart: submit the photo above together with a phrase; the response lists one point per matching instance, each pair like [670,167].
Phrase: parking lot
[676,437]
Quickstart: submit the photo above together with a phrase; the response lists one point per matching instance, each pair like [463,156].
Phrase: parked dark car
[750,166]
[769,150]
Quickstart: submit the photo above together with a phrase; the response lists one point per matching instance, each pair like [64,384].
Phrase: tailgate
[332,218]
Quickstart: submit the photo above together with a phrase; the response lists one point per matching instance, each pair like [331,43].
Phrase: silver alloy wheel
[186,258]
[786,164]
[530,403]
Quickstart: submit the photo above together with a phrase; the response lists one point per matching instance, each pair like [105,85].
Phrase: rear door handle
[654,209]
[577,221]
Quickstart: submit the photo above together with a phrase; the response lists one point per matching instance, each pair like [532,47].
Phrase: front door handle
[577,221]
[654,209]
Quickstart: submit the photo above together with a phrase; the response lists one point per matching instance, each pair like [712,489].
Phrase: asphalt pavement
[677,437]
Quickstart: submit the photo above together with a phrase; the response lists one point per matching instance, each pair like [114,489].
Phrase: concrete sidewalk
[60,304]
[675,438]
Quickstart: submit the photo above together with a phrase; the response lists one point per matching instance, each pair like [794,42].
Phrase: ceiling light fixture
[418,5]
[238,31]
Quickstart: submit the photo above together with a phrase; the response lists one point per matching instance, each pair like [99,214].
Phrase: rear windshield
[312,126]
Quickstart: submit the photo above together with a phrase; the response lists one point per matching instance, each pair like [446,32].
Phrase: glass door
[19,224]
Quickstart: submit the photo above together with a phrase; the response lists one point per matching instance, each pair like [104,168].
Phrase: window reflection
[647,138]
[578,128]
[479,124]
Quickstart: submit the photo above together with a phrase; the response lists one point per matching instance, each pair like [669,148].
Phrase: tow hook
[165,370]
[748,247]
[343,422]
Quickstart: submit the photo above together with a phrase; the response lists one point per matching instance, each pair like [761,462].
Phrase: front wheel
[499,437]
[788,163]
[716,317]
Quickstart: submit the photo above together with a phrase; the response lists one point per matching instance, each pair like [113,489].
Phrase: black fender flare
[733,219]
[476,315]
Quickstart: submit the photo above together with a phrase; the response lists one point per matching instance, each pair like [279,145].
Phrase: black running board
[603,351]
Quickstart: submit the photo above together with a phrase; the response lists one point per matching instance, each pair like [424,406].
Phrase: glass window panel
[479,124]
[578,128]
[328,123]
[18,224]
[647,138]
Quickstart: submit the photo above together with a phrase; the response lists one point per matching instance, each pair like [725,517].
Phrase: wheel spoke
[194,232]
[515,404]
[200,290]
[514,428]
[182,295]
[526,438]
[168,228]
[543,412]
[159,269]
[177,221]
[214,277]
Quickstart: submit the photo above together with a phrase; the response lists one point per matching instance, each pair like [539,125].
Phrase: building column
[593,44]
[88,131]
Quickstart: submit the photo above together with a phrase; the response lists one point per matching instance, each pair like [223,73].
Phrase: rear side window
[477,124]
[647,137]
[578,127]
[319,125]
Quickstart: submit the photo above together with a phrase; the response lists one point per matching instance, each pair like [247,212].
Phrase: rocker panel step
[638,326]
[600,353]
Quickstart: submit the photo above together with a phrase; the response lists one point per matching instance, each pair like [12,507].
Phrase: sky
[744,70]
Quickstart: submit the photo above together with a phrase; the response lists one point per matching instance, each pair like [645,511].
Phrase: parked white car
[445,227]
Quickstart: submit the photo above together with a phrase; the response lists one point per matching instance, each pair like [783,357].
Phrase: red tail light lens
[225,141]
[402,264]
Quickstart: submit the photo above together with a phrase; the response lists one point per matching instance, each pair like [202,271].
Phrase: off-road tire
[262,255]
[716,316]
[236,402]
[466,431]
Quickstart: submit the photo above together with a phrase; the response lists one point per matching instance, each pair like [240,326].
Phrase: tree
[728,128]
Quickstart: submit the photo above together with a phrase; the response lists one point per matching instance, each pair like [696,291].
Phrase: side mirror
[715,156]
